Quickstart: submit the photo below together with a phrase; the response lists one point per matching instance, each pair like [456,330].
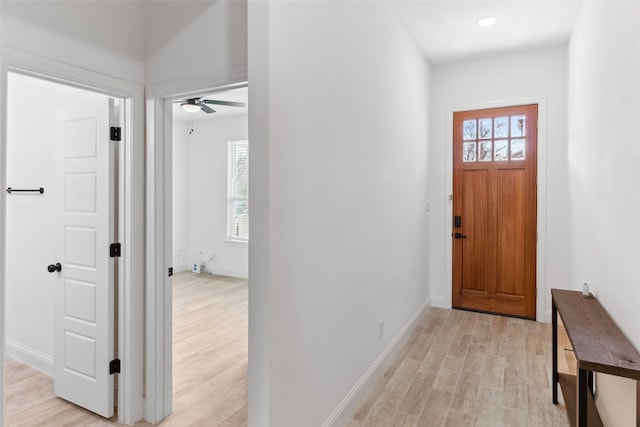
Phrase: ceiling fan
[193,105]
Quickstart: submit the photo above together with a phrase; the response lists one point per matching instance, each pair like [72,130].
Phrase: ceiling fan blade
[206,108]
[227,103]
[189,100]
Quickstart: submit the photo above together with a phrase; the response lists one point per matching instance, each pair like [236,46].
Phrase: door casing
[130,215]
[543,313]
[158,331]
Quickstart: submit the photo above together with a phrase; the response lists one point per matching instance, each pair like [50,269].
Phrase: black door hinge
[114,367]
[115,133]
[170,271]
[114,250]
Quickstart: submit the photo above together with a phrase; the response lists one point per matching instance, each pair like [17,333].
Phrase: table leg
[581,398]
[554,353]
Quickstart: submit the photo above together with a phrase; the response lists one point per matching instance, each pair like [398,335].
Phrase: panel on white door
[80,300]
[80,354]
[85,289]
[81,138]
[81,192]
[80,247]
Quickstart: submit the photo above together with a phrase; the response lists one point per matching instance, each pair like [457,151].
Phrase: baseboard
[616,400]
[439,302]
[232,272]
[347,406]
[602,411]
[29,356]
[181,267]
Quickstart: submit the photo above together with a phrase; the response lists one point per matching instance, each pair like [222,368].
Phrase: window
[238,184]
[508,142]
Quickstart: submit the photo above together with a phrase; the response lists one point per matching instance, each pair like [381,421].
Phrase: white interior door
[85,289]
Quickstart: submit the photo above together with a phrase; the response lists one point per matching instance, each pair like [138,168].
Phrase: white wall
[102,36]
[345,165]
[200,195]
[603,156]
[195,38]
[506,80]
[180,184]
[33,219]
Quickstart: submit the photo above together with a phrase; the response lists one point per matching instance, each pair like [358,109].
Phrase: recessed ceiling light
[487,22]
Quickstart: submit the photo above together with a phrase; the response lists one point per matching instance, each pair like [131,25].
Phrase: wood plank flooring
[462,368]
[209,366]
[457,369]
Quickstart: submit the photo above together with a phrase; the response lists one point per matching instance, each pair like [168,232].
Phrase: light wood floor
[467,369]
[457,369]
[209,366]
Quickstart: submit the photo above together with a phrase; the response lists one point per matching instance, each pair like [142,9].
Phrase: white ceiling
[446,31]
[234,95]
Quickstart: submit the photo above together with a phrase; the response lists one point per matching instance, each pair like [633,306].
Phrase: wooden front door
[494,210]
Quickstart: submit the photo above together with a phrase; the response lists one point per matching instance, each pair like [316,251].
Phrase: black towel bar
[15,190]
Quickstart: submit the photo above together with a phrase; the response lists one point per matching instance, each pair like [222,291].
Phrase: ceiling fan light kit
[190,107]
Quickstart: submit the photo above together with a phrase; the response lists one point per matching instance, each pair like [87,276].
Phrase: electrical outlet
[381,328]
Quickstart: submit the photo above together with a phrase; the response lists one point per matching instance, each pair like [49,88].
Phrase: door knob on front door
[459,236]
[54,267]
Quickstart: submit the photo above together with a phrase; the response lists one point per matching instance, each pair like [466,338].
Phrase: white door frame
[541,283]
[158,304]
[131,215]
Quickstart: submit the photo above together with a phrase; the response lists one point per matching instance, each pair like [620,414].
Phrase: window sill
[233,242]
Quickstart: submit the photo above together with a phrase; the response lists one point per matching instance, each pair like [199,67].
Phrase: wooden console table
[598,345]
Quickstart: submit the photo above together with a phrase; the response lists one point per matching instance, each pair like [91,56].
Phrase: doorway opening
[209,241]
[495,210]
[62,212]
